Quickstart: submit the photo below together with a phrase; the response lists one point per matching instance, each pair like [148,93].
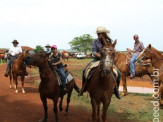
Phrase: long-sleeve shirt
[15,50]
[138,48]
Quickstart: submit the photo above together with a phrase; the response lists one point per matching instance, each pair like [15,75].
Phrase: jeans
[63,75]
[9,63]
[132,64]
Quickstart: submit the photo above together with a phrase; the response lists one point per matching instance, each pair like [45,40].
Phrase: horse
[140,69]
[2,57]
[49,87]
[157,61]
[18,68]
[65,55]
[101,85]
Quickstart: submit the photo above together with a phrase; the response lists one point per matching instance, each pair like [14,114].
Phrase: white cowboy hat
[102,30]
[47,45]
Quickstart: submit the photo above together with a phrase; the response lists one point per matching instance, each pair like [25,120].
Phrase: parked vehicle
[81,55]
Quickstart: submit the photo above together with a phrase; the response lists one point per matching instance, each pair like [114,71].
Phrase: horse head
[145,54]
[37,59]
[107,58]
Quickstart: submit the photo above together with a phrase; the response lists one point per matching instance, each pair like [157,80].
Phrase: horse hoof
[123,94]
[60,109]
[16,91]
[23,92]
[66,113]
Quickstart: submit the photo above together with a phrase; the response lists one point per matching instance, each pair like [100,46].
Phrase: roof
[3,50]
[27,48]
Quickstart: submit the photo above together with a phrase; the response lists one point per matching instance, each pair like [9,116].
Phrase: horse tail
[77,89]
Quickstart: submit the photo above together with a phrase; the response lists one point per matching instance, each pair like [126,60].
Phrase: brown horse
[157,62]
[140,69]
[18,68]
[2,57]
[65,56]
[49,87]
[101,85]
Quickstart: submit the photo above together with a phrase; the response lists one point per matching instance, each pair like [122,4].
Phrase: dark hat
[47,45]
[15,41]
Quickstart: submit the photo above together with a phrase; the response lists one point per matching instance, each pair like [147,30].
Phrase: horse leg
[124,85]
[104,111]
[10,81]
[60,104]
[68,99]
[161,96]
[94,109]
[22,79]
[44,101]
[15,83]
[98,113]
[55,101]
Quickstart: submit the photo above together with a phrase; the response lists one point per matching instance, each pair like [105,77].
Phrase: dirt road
[28,107]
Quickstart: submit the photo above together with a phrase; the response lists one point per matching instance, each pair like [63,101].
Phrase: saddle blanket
[90,69]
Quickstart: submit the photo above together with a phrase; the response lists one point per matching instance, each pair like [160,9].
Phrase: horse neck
[156,58]
[20,59]
[117,57]
[45,70]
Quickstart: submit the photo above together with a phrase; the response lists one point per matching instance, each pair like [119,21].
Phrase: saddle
[69,77]
[93,66]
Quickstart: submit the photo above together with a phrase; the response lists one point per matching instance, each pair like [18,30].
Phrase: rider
[13,51]
[97,45]
[58,62]
[48,50]
[138,48]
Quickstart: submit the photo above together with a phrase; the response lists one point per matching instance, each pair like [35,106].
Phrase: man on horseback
[138,48]
[96,48]
[13,51]
[48,48]
[56,59]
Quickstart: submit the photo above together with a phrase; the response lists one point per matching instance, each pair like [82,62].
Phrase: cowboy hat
[102,30]
[15,41]
[47,45]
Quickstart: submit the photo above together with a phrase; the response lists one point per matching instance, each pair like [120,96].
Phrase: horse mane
[157,52]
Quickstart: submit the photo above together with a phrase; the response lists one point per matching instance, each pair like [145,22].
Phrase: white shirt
[15,50]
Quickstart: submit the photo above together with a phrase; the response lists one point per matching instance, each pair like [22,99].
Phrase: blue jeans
[132,64]
[63,75]
[9,63]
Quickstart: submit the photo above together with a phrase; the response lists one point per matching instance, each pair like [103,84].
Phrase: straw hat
[48,45]
[102,30]
[15,41]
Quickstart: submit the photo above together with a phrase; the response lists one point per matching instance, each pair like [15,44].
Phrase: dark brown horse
[18,68]
[140,69]
[49,87]
[157,62]
[101,85]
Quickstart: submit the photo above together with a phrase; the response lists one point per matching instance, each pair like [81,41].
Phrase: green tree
[38,49]
[82,43]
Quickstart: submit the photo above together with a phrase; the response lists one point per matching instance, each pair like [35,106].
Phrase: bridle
[102,61]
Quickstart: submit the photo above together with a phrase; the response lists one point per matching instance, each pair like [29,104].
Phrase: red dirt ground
[28,107]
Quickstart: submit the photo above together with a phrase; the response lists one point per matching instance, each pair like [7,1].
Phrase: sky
[41,22]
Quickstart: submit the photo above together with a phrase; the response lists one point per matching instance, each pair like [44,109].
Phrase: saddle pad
[90,67]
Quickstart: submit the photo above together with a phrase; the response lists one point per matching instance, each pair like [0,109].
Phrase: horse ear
[149,46]
[114,43]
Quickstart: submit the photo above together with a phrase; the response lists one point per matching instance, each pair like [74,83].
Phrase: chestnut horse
[140,69]
[157,62]
[2,57]
[49,87]
[65,55]
[101,85]
[18,68]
